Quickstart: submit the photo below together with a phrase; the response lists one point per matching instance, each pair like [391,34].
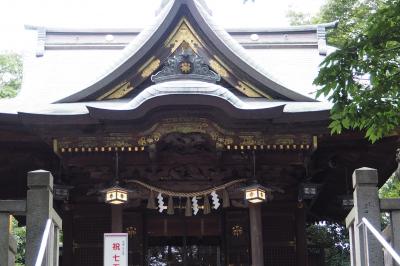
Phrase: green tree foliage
[19,233]
[351,14]
[362,79]
[10,74]
[333,239]
[391,189]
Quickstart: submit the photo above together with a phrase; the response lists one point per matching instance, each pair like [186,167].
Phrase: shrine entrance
[172,240]
[175,240]
[184,250]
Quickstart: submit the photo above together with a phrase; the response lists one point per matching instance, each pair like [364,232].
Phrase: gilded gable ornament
[185,64]
[184,33]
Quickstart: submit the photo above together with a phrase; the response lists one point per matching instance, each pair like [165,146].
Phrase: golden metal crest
[185,67]
[237,230]
[150,68]
[247,90]
[118,91]
[183,33]
[132,231]
[217,67]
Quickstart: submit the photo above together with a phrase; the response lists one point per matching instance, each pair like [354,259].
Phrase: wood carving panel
[223,139]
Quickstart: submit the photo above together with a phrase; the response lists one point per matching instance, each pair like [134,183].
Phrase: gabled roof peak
[202,3]
[185,21]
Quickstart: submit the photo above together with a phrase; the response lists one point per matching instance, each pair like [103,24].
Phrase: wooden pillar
[257,249]
[301,239]
[116,218]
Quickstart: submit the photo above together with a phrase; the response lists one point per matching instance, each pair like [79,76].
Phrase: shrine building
[206,145]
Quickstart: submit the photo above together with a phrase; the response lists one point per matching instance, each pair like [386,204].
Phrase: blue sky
[132,14]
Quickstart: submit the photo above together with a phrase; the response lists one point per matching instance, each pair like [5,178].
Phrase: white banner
[115,249]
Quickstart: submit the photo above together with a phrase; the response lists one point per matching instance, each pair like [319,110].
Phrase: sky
[14,14]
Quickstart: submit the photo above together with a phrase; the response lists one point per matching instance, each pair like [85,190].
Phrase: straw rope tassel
[188,209]
[151,204]
[170,209]
[207,208]
[225,199]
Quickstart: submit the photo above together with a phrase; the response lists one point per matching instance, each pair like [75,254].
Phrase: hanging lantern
[308,190]
[116,194]
[255,193]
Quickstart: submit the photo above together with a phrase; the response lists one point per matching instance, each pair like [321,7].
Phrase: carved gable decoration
[185,64]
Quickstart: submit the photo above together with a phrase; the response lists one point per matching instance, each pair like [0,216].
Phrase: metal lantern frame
[61,191]
[255,193]
[309,190]
[116,194]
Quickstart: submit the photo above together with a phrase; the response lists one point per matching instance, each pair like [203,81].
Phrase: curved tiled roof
[218,37]
[77,107]
[164,94]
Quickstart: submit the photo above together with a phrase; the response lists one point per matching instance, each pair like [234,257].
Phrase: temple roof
[77,71]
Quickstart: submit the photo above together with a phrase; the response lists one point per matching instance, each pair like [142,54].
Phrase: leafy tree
[351,14]
[333,239]
[362,79]
[391,189]
[10,74]
[19,233]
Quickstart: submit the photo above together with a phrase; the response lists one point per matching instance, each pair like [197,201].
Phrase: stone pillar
[301,238]
[12,252]
[8,244]
[39,208]
[4,238]
[116,218]
[351,240]
[366,204]
[395,222]
[257,249]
